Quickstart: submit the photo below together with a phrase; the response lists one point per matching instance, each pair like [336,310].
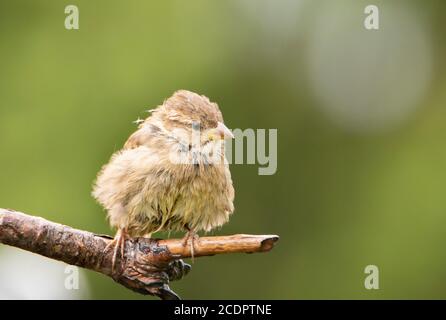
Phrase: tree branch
[147,265]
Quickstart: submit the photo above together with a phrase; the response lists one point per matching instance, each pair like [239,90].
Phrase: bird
[170,175]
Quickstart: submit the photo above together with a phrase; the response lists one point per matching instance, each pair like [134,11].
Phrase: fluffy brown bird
[171,174]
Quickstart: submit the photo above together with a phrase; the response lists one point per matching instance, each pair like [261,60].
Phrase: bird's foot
[118,245]
[191,236]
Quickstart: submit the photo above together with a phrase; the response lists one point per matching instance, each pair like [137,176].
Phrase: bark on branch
[147,265]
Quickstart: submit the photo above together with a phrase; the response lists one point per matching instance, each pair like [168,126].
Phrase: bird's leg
[192,236]
[118,244]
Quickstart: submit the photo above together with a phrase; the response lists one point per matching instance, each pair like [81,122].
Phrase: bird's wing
[134,141]
[142,136]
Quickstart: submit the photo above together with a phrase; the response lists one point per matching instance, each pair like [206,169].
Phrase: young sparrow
[171,174]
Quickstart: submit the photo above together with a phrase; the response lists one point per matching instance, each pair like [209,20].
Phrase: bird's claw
[192,237]
[118,244]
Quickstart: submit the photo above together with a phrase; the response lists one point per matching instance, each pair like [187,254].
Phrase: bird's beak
[221,132]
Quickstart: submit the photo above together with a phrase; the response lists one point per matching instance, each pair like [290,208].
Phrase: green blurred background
[361,125]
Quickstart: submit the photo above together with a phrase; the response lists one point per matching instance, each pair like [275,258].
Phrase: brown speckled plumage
[143,191]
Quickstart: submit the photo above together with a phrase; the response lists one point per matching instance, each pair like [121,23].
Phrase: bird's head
[192,114]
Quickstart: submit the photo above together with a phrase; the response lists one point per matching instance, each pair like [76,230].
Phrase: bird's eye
[196,125]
